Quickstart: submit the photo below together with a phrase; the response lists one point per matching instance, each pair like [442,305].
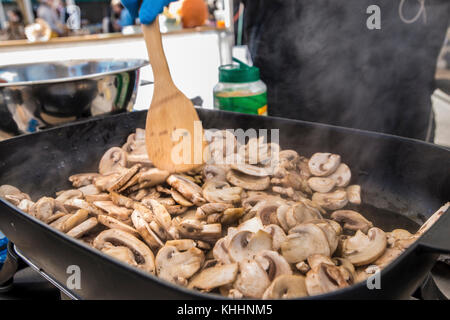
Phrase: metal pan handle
[437,238]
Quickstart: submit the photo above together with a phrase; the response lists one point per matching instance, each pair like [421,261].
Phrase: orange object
[220,24]
[193,13]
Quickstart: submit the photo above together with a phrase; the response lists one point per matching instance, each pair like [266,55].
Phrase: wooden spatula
[170,113]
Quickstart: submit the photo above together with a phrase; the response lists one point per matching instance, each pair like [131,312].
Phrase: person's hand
[148,10]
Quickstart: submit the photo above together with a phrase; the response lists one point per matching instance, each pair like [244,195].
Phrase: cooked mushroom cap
[274,264]
[301,212]
[332,201]
[363,249]
[303,241]
[113,223]
[121,253]
[43,208]
[247,182]
[330,232]
[342,175]
[143,255]
[217,276]
[253,279]
[251,170]
[114,160]
[221,191]
[322,185]
[83,228]
[175,266]
[323,164]
[245,244]
[354,194]
[352,220]
[286,287]
[153,176]
[325,278]
[187,188]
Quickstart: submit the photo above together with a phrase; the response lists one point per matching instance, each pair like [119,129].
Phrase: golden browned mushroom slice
[83,228]
[248,182]
[303,241]
[143,228]
[214,277]
[220,191]
[74,220]
[69,194]
[89,190]
[58,223]
[189,189]
[273,263]
[278,235]
[176,266]
[210,208]
[332,201]
[286,286]
[106,182]
[252,280]
[180,199]
[246,245]
[342,175]
[113,223]
[72,204]
[395,237]
[352,220]
[43,208]
[194,229]
[114,160]
[231,215]
[83,179]
[323,164]
[363,249]
[97,197]
[153,176]
[325,278]
[121,200]
[126,175]
[142,254]
[120,253]
[354,194]
[121,213]
[25,205]
[320,184]
[163,218]
[182,244]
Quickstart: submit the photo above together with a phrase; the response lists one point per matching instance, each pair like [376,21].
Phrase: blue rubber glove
[149,9]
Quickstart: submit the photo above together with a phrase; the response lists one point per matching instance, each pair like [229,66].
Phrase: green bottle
[240,89]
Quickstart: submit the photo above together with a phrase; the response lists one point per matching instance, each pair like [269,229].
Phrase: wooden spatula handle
[153,42]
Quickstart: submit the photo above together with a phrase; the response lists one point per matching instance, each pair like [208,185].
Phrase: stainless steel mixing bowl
[39,95]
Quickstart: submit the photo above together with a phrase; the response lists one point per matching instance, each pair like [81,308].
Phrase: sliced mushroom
[113,223]
[301,212]
[323,164]
[163,218]
[251,170]
[83,228]
[342,175]
[69,194]
[354,194]
[389,255]
[231,215]
[82,204]
[83,179]
[114,160]
[286,287]
[278,235]
[273,263]
[187,188]
[320,184]
[25,205]
[245,245]
[252,280]
[182,244]
[332,201]
[143,228]
[247,182]
[43,208]
[142,254]
[352,220]
[121,253]
[177,267]
[58,223]
[214,277]
[221,191]
[74,220]
[330,232]
[303,267]
[153,175]
[325,278]
[303,241]
[125,176]
[316,259]
[121,213]
[363,249]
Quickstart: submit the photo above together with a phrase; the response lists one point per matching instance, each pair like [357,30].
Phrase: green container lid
[238,73]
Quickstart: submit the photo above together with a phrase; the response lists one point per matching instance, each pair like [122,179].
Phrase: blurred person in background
[322,62]
[121,17]
[48,12]
[15,29]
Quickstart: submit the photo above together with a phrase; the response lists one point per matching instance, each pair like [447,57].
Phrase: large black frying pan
[403,181]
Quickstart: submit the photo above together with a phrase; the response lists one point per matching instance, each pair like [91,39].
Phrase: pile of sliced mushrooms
[243,230]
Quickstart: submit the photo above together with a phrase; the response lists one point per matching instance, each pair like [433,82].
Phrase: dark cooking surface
[404,176]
